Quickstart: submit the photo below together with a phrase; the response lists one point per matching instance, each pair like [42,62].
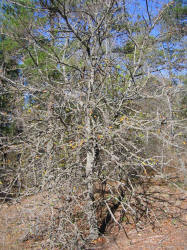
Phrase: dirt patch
[170,235]
[24,221]
[26,224]
[166,233]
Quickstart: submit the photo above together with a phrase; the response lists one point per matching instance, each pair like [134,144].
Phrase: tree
[10,126]
[11,104]
[174,18]
[93,71]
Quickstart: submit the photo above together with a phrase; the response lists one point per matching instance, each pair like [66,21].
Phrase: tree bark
[91,215]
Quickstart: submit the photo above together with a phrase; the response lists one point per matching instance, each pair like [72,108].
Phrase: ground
[170,235]
[168,232]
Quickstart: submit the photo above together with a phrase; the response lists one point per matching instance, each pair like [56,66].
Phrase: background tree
[10,126]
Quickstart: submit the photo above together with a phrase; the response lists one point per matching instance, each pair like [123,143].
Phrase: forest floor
[169,231]
[168,234]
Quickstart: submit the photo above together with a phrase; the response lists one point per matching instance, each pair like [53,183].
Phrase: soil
[168,232]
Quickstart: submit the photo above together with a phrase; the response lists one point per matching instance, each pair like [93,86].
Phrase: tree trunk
[92,220]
